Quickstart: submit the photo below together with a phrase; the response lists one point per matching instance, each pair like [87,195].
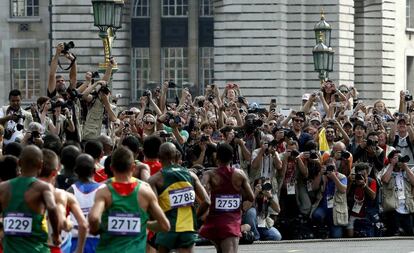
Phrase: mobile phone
[273,101]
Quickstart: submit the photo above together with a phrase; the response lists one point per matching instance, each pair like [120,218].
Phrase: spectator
[369,152]
[95,149]
[241,156]
[362,201]
[9,167]
[14,119]
[398,201]
[258,217]
[265,160]
[331,207]
[13,148]
[402,136]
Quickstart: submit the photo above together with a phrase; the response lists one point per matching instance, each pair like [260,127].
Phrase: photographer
[265,160]
[241,156]
[34,134]
[369,152]
[98,105]
[361,194]
[398,202]
[402,135]
[331,207]
[40,112]
[14,119]
[343,159]
[257,216]
[62,115]
[205,152]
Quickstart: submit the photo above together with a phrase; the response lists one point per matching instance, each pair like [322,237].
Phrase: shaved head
[168,152]
[31,159]
[85,166]
[339,146]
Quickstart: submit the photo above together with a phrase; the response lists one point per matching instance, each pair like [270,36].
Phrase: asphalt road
[379,245]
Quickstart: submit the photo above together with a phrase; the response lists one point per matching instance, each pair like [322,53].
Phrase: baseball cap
[306,96]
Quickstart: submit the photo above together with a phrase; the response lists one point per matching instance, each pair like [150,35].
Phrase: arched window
[206,8]
[141,8]
[174,8]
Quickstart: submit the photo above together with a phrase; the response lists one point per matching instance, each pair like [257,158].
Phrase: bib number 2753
[227,203]
[124,224]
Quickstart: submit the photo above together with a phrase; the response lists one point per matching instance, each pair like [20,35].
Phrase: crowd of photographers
[336,167]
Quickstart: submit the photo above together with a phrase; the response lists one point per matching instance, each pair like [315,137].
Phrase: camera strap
[71,63]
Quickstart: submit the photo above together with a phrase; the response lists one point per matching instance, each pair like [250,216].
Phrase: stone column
[155,41]
[193,11]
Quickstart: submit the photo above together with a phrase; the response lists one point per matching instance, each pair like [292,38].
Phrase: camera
[345,155]
[165,135]
[104,89]
[408,96]
[240,99]
[129,113]
[294,153]
[20,121]
[239,134]
[177,119]
[34,135]
[313,154]
[372,143]
[403,159]
[171,84]
[204,138]
[359,176]
[257,110]
[126,125]
[266,186]
[74,94]
[147,93]
[68,46]
[210,98]
[95,75]
[329,168]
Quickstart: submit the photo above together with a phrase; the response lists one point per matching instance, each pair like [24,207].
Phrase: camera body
[147,93]
[105,90]
[345,155]
[403,159]
[204,138]
[408,96]
[20,121]
[313,154]
[68,46]
[294,153]
[359,176]
[266,186]
[171,84]
[329,168]
[372,143]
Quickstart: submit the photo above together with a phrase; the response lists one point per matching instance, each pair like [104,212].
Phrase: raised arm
[51,84]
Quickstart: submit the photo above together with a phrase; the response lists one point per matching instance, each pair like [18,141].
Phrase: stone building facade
[264,45]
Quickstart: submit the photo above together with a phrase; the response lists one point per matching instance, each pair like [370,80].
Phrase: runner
[84,190]
[227,185]
[177,190]
[65,202]
[24,201]
[121,209]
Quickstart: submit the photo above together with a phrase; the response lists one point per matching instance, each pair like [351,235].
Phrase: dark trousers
[399,224]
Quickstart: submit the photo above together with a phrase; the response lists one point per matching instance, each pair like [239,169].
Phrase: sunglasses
[272,123]
[149,122]
[298,120]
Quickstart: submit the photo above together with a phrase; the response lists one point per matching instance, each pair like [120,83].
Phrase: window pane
[25,72]
[142,70]
[141,8]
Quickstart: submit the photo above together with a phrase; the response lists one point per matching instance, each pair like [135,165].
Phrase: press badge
[357,207]
[309,186]
[291,189]
[330,201]
[400,195]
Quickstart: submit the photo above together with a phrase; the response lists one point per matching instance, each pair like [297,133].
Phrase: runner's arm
[95,214]
[161,223]
[201,195]
[82,223]
[52,209]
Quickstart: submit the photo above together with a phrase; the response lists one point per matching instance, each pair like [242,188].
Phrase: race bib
[19,224]
[124,224]
[227,203]
[182,197]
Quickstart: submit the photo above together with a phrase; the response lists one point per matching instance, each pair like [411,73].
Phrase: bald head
[85,166]
[339,146]
[31,159]
[168,152]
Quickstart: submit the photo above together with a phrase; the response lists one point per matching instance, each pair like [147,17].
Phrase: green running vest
[124,224]
[22,238]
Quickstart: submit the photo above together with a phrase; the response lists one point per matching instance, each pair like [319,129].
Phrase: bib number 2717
[124,224]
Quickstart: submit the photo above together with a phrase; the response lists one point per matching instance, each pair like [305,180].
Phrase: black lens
[266,187]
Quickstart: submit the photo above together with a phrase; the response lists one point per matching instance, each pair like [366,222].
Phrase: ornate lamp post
[107,16]
[322,52]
